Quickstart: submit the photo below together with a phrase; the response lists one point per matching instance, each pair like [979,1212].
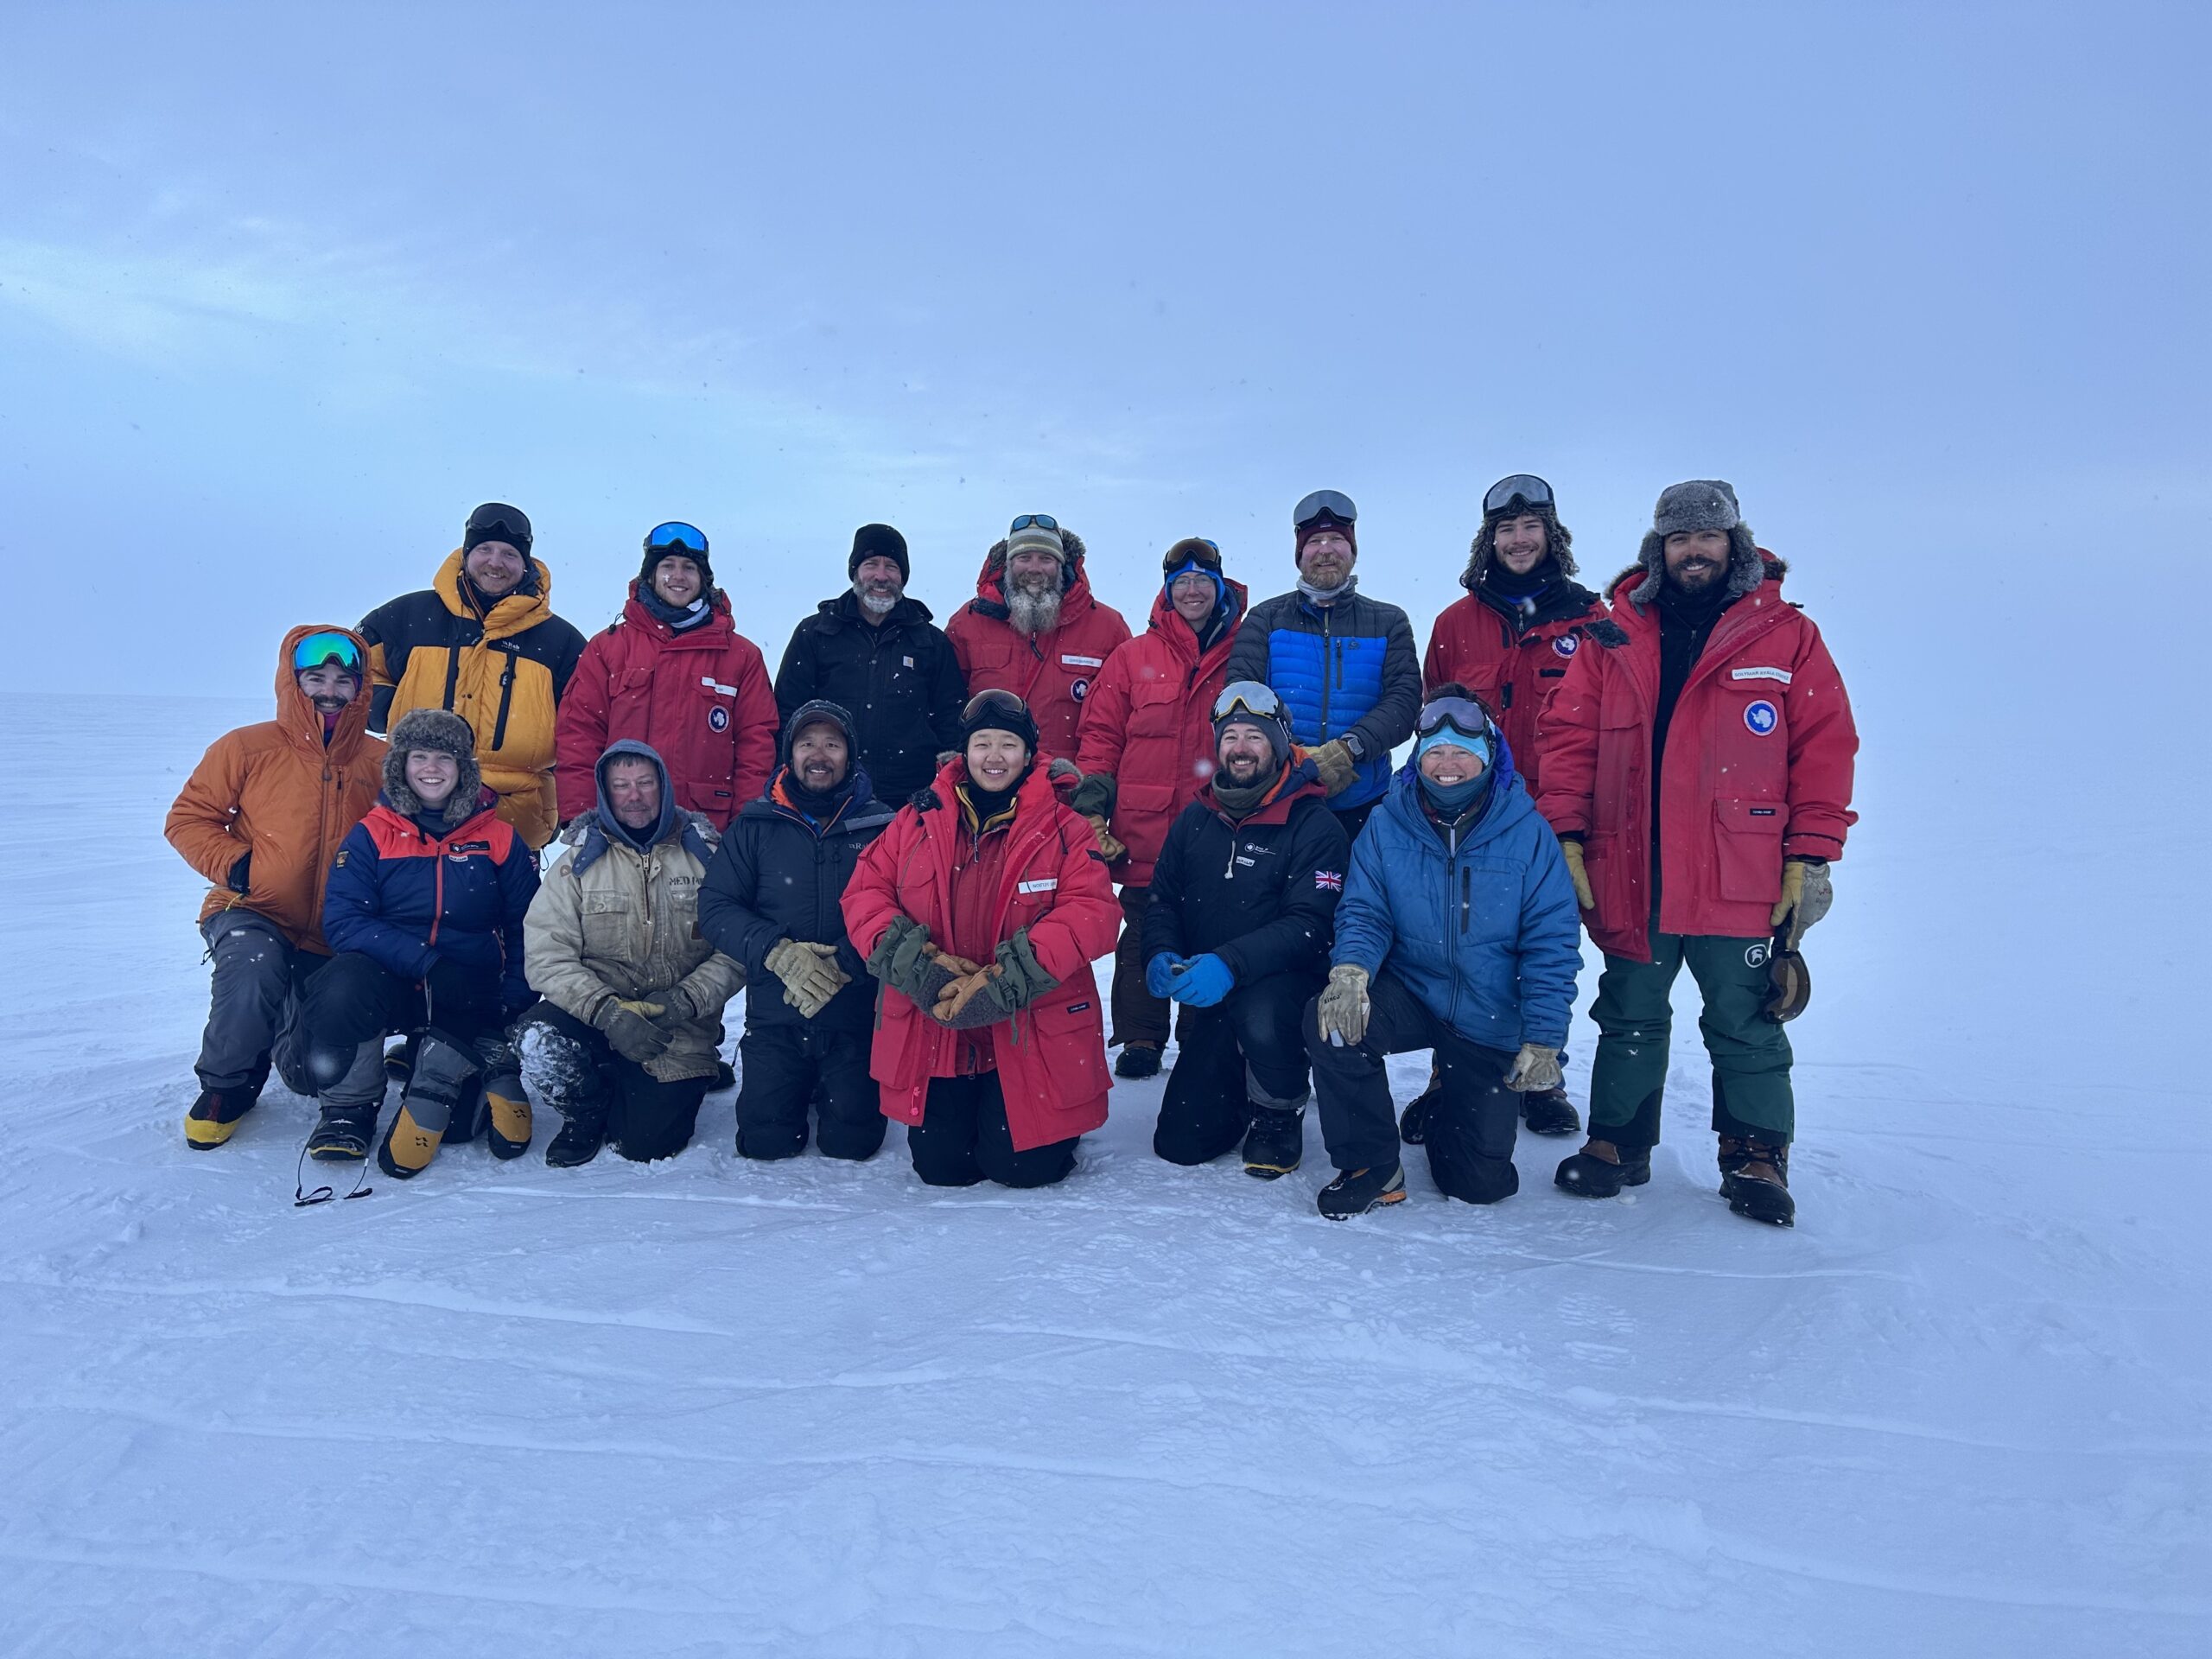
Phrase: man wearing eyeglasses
[482,642]
[674,673]
[1344,663]
[261,817]
[1035,629]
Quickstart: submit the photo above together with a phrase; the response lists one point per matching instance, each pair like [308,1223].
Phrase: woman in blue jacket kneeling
[1459,932]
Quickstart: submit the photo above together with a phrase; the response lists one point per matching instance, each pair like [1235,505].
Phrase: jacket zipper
[437,889]
[506,699]
[1328,642]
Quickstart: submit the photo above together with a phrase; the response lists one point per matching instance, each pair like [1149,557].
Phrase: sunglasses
[684,539]
[1034,520]
[1463,714]
[1324,504]
[321,650]
[1248,696]
[1532,491]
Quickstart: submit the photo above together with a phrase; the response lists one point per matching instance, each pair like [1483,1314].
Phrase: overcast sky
[284,292]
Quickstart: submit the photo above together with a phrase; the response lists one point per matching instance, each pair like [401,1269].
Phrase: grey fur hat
[1699,504]
[440,732]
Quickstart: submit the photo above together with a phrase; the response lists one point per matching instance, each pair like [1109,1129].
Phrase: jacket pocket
[605,918]
[1750,837]
[1071,1045]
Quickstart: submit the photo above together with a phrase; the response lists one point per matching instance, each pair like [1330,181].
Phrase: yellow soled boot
[444,1076]
[508,1106]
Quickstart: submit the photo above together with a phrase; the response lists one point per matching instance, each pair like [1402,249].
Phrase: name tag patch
[716,686]
[1042,884]
[1083,661]
[1780,676]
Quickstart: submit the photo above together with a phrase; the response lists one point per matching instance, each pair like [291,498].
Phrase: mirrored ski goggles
[1248,696]
[1034,521]
[321,650]
[994,702]
[1464,714]
[1324,504]
[493,524]
[676,535]
[1532,490]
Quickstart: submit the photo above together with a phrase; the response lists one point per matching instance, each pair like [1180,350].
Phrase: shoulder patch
[339,863]
[1608,633]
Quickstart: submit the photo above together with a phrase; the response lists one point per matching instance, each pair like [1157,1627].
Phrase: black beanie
[874,542]
[1003,712]
[495,521]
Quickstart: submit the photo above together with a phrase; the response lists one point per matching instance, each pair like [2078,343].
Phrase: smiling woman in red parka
[980,911]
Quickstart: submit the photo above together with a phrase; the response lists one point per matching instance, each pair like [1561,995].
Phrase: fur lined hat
[1699,504]
[1559,541]
[436,731]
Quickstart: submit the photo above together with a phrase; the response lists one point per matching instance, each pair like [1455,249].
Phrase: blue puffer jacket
[1487,934]
[1342,669]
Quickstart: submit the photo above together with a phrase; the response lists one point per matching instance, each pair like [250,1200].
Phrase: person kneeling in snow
[1457,931]
[424,907]
[980,909]
[623,1045]
[1247,884]
[260,818]
[771,901]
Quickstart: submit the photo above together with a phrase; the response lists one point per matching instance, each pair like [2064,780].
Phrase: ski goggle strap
[1464,714]
[676,535]
[994,700]
[498,523]
[1248,696]
[1036,520]
[1532,490]
[322,649]
[1329,504]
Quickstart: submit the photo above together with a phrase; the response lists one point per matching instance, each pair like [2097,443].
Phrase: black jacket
[899,682]
[1260,894]
[778,877]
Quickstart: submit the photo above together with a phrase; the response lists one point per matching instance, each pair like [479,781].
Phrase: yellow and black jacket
[503,672]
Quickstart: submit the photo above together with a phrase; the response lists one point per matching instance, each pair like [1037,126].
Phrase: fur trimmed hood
[440,732]
[990,581]
[1559,545]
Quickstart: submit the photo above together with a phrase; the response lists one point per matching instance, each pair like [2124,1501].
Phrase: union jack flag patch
[1329,881]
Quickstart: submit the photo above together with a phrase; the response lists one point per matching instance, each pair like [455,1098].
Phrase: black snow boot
[1548,1111]
[214,1117]
[343,1135]
[1589,1176]
[1137,1060]
[1412,1122]
[579,1141]
[1755,1179]
[1358,1191]
[1275,1142]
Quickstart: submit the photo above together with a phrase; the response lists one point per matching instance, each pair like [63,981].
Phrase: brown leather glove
[965,1002]
[1334,762]
[1108,848]
[1806,896]
[1535,1067]
[1577,874]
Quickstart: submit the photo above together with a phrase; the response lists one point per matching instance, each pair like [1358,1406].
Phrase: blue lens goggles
[676,535]
[1039,520]
[322,649]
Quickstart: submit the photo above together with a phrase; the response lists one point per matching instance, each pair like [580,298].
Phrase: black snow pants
[963,1138]
[572,1068]
[1246,1051]
[790,1067]
[254,1015]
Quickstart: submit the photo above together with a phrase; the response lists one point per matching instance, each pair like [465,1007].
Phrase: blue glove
[1204,982]
[1159,975]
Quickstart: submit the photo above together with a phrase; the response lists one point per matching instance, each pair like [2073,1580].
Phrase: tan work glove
[1343,1010]
[1334,762]
[1576,873]
[1108,848]
[1806,896]
[1535,1068]
[809,972]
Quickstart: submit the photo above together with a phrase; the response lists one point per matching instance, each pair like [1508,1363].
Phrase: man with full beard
[1034,629]
[875,653]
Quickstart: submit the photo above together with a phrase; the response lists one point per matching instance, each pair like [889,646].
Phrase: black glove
[240,879]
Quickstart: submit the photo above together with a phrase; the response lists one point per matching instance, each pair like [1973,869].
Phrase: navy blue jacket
[407,899]
[1342,669]
[1486,932]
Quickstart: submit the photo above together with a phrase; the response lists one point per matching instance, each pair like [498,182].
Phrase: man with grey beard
[874,653]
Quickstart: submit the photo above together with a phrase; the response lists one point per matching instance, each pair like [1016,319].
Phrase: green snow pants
[1750,1053]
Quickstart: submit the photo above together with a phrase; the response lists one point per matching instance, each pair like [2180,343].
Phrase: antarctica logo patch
[1080,689]
[1761,718]
[1568,644]
[718,718]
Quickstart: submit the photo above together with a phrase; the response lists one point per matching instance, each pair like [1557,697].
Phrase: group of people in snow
[908,846]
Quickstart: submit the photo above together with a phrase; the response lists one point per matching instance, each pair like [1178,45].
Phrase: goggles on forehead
[675,536]
[994,700]
[1532,490]
[1036,521]
[323,649]
[1324,504]
[1464,714]
[1248,697]
[494,524]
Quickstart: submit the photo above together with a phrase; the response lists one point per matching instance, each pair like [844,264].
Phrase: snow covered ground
[706,1407]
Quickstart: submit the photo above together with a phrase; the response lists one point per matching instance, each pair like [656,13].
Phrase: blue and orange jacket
[408,900]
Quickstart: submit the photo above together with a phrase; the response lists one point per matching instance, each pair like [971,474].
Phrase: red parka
[1051,672]
[1758,766]
[1475,643]
[702,698]
[1148,724]
[1051,1055]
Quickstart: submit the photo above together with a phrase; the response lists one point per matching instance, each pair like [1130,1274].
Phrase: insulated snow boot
[1589,1176]
[1275,1143]
[399,1058]
[506,1129]
[1548,1111]
[1755,1179]
[1137,1060]
[1412,1122]
[343,1133]
[1358,1191]
[443,1082]
[725,1076]
[213,1118]
[579,1141]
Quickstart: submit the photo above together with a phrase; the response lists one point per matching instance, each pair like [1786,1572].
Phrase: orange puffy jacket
[276,791]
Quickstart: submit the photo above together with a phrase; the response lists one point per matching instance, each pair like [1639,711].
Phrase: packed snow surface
[709,1407]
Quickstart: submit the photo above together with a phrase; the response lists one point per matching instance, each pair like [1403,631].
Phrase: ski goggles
[1324,504]
[1532,490]
[1464,714]
[1248,697]
[994,701]
[675,536]
[1034,521]
[323,649]
[495,523]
